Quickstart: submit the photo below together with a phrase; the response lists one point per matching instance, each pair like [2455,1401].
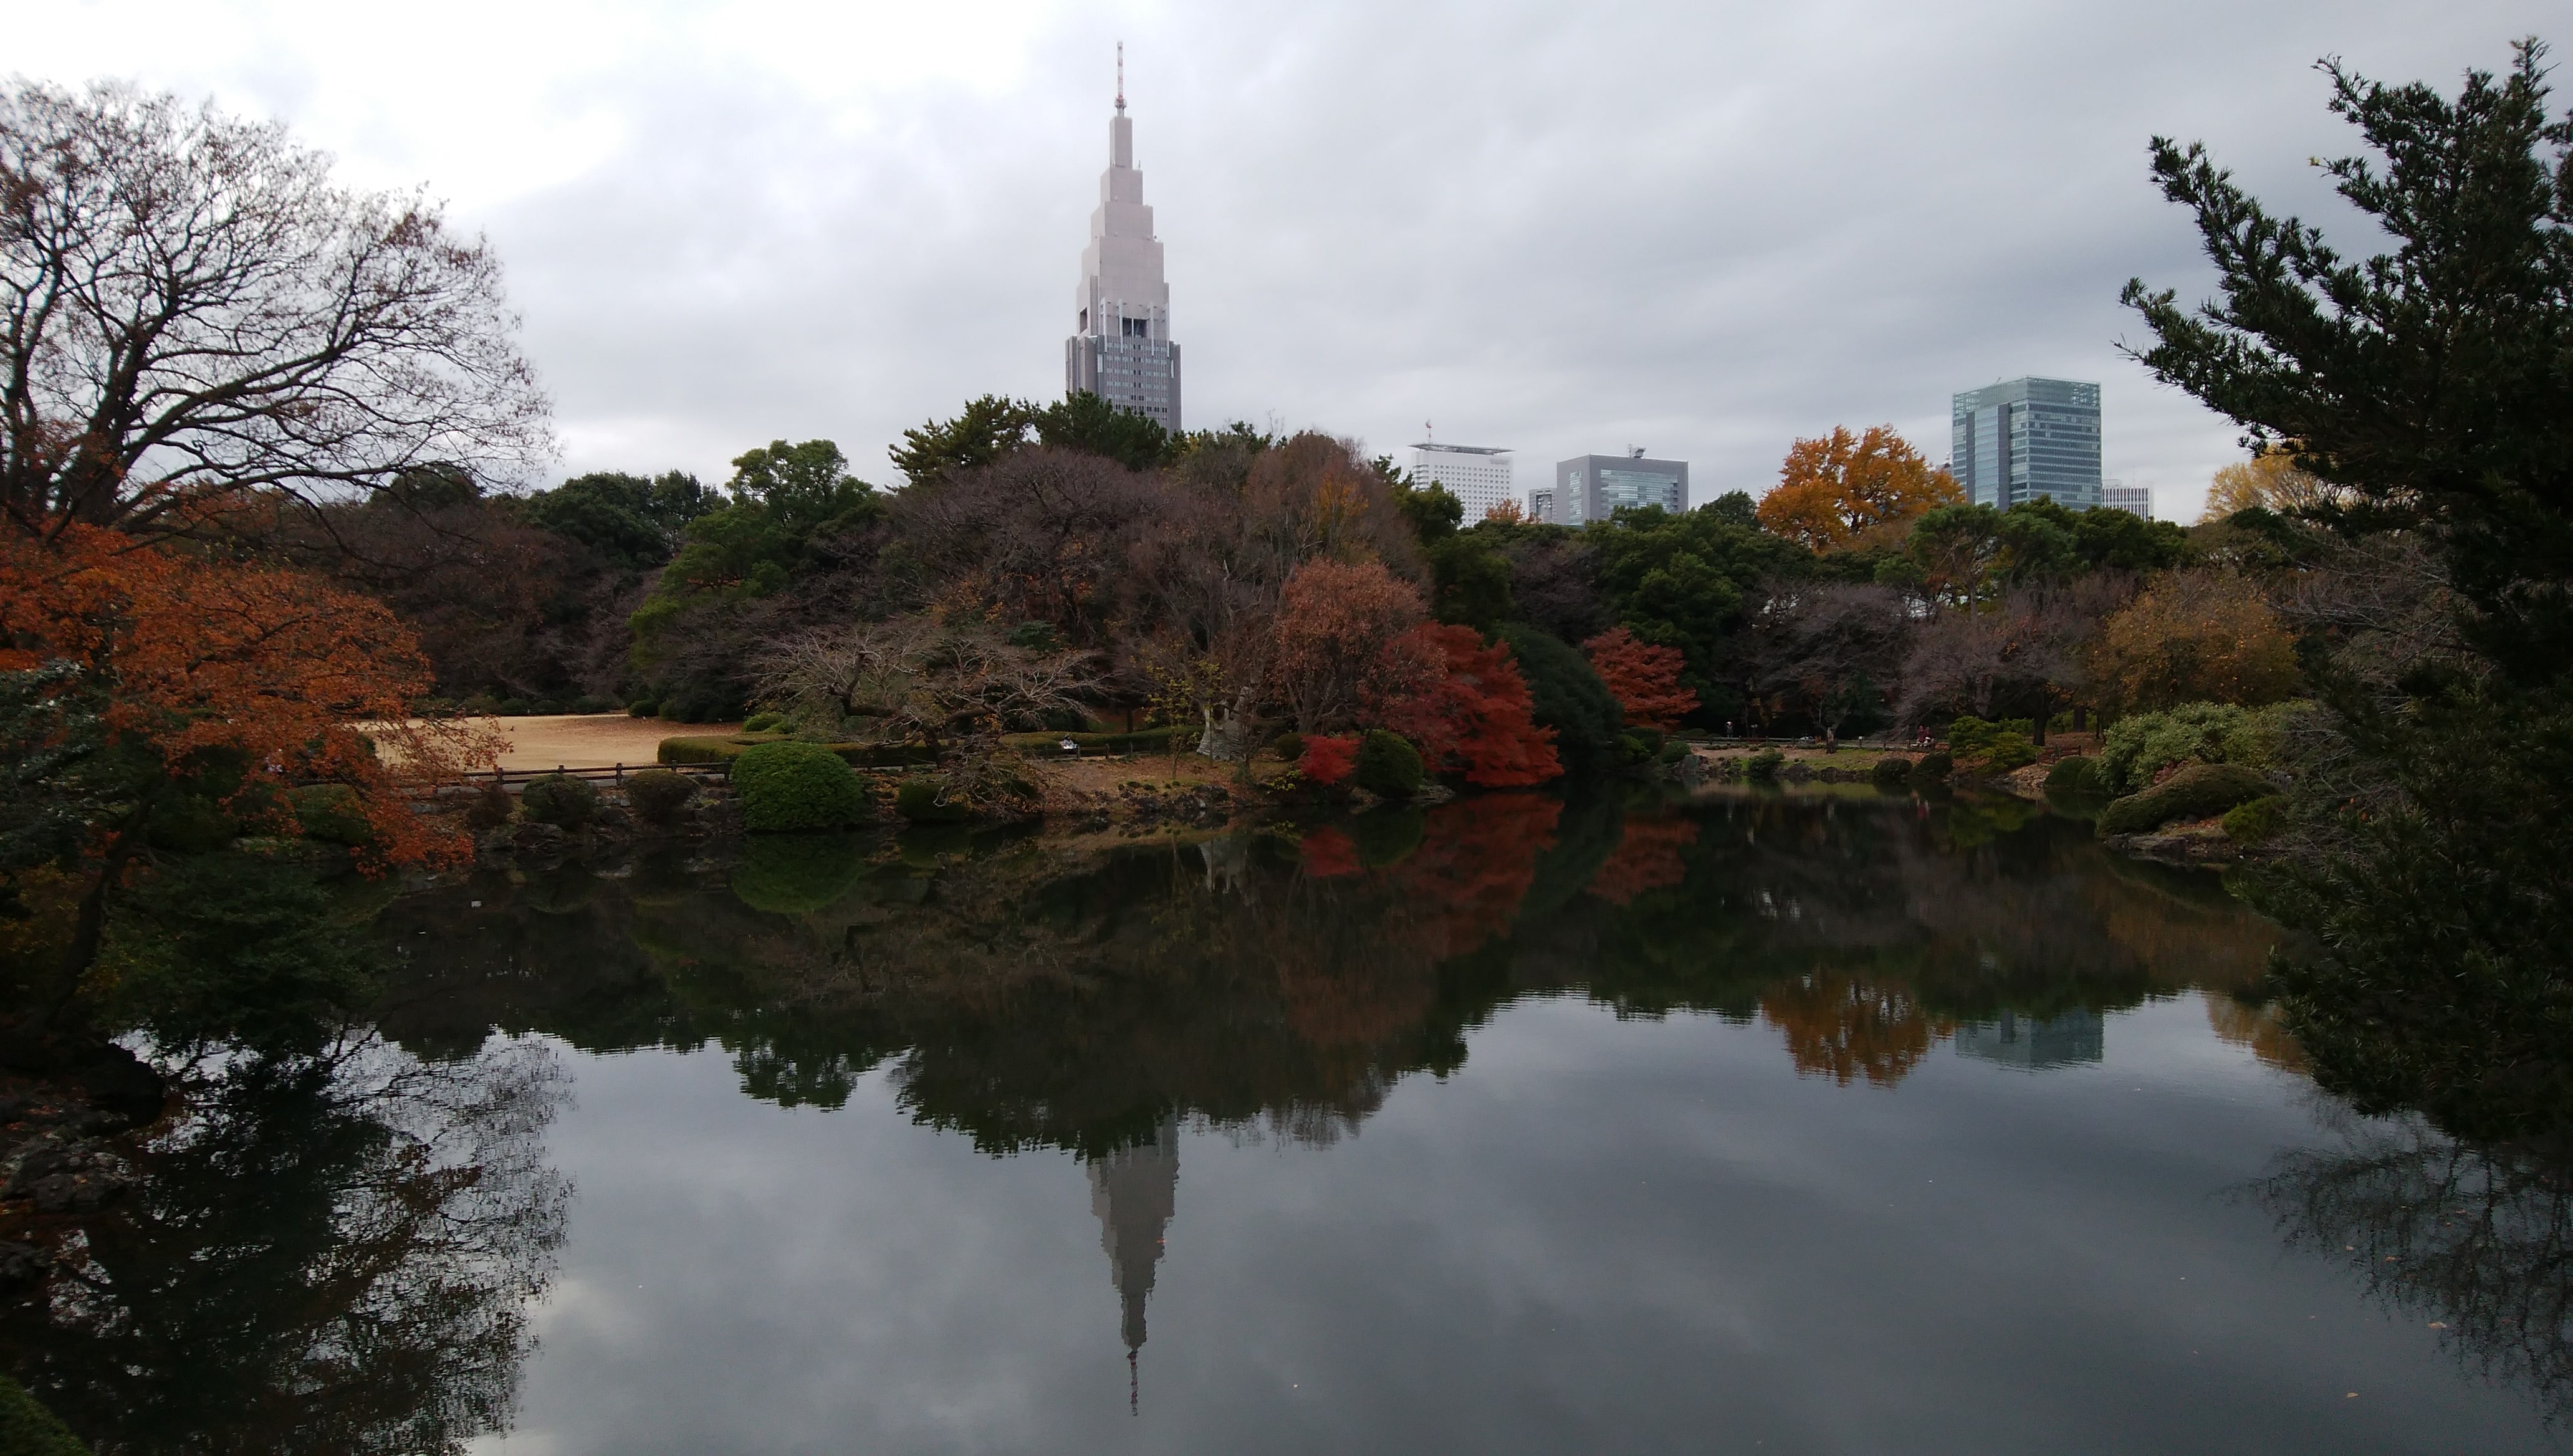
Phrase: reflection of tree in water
[328,1255]
[2478,1237]
[1840,1027]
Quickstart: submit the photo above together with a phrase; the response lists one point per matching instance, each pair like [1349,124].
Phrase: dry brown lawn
[591,740]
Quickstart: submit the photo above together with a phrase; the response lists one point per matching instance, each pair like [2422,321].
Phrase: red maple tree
[191,659]
[1645,680]
[1465,706]
[1329,758]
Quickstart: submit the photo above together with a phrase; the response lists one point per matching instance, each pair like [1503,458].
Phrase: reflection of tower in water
[1133,1191]
[2035,1042]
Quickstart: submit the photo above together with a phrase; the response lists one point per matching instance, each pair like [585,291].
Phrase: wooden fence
[615,774]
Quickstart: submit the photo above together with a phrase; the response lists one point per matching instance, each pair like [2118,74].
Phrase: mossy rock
[1933,765]
[2197,792]
[1890,770]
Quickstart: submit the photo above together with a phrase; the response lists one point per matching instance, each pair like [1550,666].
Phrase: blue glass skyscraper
[2023,439]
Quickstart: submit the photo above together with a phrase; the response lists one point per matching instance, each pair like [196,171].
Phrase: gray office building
[2018,441]
[1595,487]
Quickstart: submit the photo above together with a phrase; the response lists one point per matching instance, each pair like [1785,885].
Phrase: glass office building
[1595,487]
[2022,439]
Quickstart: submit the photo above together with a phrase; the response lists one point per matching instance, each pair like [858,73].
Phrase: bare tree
[1814,639]
[2023,654]
[918,677]
[190,309]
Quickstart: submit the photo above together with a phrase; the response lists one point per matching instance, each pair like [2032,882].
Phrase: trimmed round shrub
[645,709]
[1933,765]
[1388,766]
[330,812]
[1672,751]
[658,796]
[920,802]
[789,874]
[2260,820]
[1289,746]
[1764,764]
[560,800]
[792,786]
[2075,777]
[492,808]
[762,722]
[2197,792]
[1890,770]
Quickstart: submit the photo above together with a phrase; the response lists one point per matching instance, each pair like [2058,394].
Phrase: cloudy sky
[1706,229]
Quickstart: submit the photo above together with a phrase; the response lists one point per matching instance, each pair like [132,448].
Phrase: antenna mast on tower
[1121,78]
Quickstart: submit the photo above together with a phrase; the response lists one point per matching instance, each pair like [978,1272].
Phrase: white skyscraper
[1120,347]
[1478,476]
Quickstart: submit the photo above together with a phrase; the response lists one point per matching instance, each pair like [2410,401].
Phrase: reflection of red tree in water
[1476,862]
[1647,857]
[1840,1027]
[1329,852]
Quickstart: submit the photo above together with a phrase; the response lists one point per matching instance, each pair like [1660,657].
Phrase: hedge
[658,795]
[710,749]
[2195,792]
[2260,820]
[793,786]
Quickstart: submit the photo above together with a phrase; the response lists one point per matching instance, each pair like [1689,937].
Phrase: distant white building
[2133,500]
[1478,476]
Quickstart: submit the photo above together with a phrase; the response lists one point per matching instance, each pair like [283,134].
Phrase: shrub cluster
[2136,748]
[2195,792]
[2075,778]
[1991,748]
[1933,765]
[658,796]
[1764,764]
[492,808]
[2260,820]
[1890,770]
[796,786]
[560,800]
[763,722]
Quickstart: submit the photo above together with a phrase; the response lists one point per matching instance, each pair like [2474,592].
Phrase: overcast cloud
[1706,229]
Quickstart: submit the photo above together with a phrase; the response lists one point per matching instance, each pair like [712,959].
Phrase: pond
[1845,1123]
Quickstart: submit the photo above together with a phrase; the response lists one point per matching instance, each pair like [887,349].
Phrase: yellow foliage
[2195,637]
[1835,490]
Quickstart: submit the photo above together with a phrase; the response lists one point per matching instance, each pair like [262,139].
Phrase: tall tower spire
[1121,347]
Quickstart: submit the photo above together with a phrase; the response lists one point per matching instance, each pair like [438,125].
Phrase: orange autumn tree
[1333,623]
[175,667]
[1644,679]
[1834,491]
[1464,704]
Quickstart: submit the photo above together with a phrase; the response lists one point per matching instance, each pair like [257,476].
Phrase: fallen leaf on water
[2438,1324]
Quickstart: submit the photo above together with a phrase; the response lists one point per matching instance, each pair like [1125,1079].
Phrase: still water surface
[1523,1125]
